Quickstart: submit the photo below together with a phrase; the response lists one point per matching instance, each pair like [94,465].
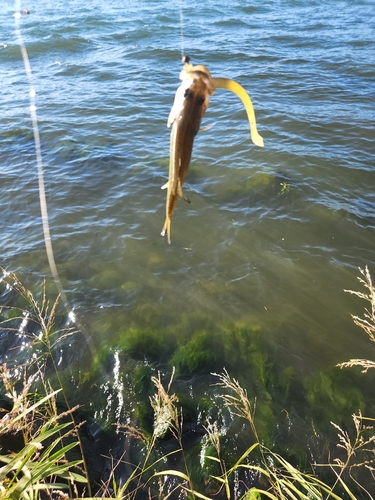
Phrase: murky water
[272,236]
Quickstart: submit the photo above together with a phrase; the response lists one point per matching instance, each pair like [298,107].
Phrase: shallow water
[272,236]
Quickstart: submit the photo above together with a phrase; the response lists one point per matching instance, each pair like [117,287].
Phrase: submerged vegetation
[243,436]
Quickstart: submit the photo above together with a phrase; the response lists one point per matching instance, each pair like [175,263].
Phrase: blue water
[272,236]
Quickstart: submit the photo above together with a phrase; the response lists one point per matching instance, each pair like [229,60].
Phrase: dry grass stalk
[166,415]
[42,314]
[237,400]
[366,364]
[367,323]
[363,445]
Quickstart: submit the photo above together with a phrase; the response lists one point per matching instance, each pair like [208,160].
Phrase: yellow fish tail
[227,83]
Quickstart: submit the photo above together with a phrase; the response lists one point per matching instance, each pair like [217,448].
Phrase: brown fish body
[191,102]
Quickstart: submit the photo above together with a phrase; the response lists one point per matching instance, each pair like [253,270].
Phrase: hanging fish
[190,103]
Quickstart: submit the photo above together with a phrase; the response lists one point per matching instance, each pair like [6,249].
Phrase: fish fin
[167,229]
[181,194]
[171,117]
[175,108]
[177,104]
[204,129]
[179,99]
[164,186]
[227,83]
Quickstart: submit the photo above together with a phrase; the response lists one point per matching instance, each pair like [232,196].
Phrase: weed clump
[234,453]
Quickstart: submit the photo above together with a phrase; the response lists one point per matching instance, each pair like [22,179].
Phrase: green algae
[107,279]
[148,314]
[285,384]
[155,259]
[144,389]
[333,396]
[195,356]
[256,182]
[196,346]
[146,344]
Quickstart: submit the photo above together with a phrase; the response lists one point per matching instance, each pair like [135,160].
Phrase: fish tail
[167,229]
[227,83]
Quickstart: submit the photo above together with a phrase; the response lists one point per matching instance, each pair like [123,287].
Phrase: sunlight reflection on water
[105,80]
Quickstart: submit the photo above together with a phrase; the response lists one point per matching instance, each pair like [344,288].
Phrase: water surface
[272,236]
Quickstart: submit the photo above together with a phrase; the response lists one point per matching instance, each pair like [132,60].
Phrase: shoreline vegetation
[232,451]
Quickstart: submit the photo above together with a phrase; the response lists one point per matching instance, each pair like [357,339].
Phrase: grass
[367,323]
[46,457]
[42,464]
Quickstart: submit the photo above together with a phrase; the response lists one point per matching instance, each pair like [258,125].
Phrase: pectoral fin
[181,194]
[171,117]
[179,191]
[226,83]
[208,127]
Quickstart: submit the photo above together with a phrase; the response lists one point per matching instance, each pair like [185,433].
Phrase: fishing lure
[190,103]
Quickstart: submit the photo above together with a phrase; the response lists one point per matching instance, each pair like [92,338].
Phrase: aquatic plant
[333,395]
[233,456]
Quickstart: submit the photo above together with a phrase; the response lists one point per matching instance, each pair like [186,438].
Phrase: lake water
[273,234]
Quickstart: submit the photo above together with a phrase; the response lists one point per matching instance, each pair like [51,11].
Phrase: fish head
[193,93]
[198,72]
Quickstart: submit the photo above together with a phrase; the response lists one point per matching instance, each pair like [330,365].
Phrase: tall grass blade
[242,458]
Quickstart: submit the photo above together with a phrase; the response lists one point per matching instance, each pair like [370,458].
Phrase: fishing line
[42,191]
[182,30]
[117,387]
[39,159]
